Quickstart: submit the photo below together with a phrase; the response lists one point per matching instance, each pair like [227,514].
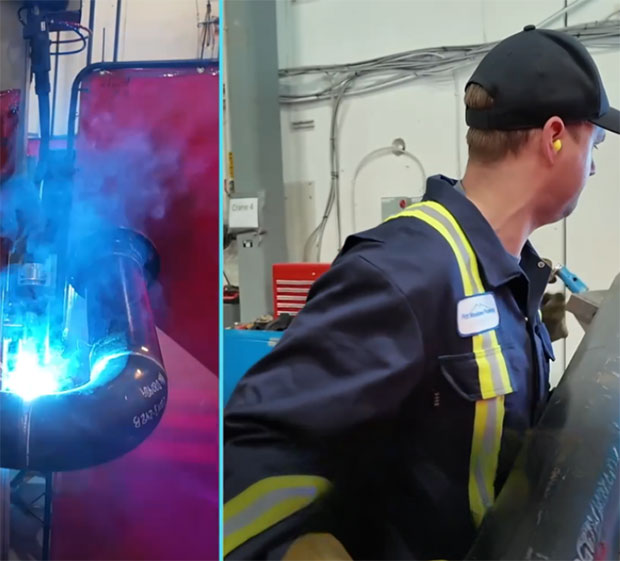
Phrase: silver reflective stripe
[486,440]
[455,236]
[488,446]
[496,372]
[486,337]
[264,504]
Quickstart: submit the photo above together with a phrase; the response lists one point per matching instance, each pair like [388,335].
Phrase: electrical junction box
[60,11]
[393,205]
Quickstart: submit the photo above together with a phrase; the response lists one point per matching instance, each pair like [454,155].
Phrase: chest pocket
[480,376]
[463,371]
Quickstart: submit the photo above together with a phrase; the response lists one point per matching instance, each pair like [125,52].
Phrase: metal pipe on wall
[55,86]
[117,29]
[91,26]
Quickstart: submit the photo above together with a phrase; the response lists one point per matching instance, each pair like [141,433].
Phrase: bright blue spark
[30,373]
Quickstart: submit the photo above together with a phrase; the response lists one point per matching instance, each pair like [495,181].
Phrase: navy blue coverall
[392,409]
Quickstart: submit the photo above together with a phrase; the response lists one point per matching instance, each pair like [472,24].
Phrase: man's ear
[552,138]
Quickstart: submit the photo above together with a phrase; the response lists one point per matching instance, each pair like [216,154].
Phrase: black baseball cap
[536,74]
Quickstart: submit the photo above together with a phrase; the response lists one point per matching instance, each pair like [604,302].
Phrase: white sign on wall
[243,213]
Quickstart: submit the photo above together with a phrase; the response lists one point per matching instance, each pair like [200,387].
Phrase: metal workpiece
[561,500]
[125,392]
[87,426]
[585,305]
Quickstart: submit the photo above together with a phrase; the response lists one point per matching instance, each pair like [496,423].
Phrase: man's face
[572,167]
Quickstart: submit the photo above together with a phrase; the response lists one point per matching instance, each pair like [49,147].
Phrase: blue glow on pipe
[30,372]
[101,365]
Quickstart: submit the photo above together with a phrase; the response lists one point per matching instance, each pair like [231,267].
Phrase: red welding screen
[9,131]
[149,140]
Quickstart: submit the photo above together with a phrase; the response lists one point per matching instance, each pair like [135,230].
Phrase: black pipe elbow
[126,396]
[87,426]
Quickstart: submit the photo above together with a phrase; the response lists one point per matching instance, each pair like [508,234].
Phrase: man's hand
[554,315]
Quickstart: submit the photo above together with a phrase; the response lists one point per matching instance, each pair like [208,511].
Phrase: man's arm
[346,365]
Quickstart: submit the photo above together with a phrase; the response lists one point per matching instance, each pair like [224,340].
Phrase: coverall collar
[498,265]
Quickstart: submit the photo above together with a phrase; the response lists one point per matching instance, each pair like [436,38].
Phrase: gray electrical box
[58,11]
[393,205]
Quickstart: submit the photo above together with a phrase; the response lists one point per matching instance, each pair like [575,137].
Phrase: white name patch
[477,314]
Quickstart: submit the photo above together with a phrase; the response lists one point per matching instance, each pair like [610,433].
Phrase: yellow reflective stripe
[491,363]
[486,380]
[506,385]
[267,502]
[485,376]
[486,442]
[420,214]
[476,502]
[492,370]
[487,433]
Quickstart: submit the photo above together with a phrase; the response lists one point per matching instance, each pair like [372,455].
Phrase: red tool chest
[291,283]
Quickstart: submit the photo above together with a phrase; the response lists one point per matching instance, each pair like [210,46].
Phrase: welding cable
[44,125]
[74,26]
[612,15]
[402,67]
[374,75]
[316,237]
[77,29]
[69,26]
[563,12]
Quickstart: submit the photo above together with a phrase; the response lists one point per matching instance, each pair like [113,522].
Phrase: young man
[391,412]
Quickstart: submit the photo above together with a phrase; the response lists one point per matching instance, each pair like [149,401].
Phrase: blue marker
[572,281]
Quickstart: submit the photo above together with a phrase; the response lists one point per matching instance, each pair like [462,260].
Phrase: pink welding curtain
[148,145]
[147,154]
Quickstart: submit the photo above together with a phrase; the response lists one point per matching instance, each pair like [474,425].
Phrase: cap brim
[610,121]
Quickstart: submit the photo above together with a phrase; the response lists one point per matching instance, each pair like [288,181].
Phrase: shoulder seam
[394,286]
[414,315]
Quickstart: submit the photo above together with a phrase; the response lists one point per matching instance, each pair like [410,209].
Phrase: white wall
[150,30]
[429,116]
[593,231]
